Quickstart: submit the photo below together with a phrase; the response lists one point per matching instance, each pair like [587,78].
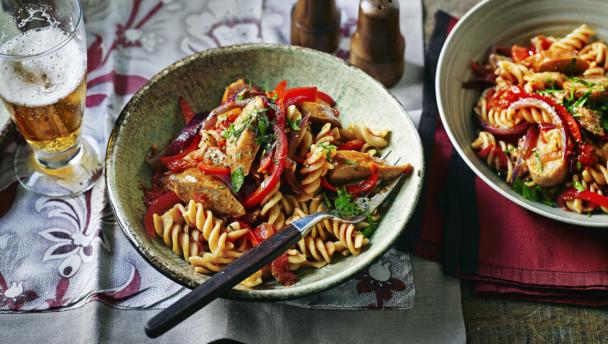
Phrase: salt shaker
[377,45]
[316,24]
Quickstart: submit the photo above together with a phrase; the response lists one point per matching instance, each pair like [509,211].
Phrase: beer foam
[43,80]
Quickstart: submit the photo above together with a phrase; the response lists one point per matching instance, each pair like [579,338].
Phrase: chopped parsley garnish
[346,207]
[263,136]
[548,91]
[551,89]
[582,81]
[532,193]
[345,204]
[294,125]
[328,149]
[349,162]
[578,185]
[259,124]
[582,100]
[241,94]
[238,178]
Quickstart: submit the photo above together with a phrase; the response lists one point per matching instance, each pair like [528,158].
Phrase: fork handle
[223,281]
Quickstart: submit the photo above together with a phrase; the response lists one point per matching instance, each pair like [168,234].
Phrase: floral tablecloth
[64,253]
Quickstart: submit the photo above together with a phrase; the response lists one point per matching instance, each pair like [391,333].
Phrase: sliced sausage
[241,146]
[554,60]
[320,113]
[192,184]
[596,86]
[546,164]
[589,119]
[352,165]
[240,89]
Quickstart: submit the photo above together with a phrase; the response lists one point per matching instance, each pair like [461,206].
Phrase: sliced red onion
[213,114]
[546,126]
[183,139]
[529,142]
[295,186]
[516,130]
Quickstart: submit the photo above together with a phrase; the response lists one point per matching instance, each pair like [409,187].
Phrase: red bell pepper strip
[327,185]
[365,185]
[173,163]
[326,98]
[585,195]
[519,53]
[253,238]
[593,197]
[187,111]
[279,90]
[485,151]
[213,169]
[355,144]
[159,206]
[279,158]
[298,95]
[566,116]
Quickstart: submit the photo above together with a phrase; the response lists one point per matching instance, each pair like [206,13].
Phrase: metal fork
[254,259]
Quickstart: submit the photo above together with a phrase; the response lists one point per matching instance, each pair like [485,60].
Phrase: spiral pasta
[596,54]
[535,82]
[316,165]
[327,134]
[575,40]
[272,208]
[500,155]
[509,72]
[374,138]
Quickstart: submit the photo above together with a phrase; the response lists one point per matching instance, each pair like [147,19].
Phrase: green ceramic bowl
[505,22]
[152,117]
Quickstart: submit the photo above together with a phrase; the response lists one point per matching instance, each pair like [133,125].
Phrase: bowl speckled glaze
[152,117]
[505,22]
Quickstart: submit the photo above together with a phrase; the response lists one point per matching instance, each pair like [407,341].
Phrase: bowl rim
[285,293]
[439,77]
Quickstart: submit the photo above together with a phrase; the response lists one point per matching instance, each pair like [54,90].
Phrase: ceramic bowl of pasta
[226,147]
[522,89]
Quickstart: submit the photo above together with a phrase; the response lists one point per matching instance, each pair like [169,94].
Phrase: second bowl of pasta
[522,89]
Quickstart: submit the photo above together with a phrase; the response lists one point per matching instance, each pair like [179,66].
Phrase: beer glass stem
[57,160]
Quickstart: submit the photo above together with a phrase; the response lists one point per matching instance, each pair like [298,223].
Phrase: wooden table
[500,321]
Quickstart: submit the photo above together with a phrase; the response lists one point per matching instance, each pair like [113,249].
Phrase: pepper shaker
[377,46]
[316,24]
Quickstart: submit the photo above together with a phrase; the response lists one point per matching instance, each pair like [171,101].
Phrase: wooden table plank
[502,321]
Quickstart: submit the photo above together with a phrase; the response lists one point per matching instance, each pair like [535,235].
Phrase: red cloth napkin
[520,255]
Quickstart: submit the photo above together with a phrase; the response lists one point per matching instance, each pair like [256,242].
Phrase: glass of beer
[43,65]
